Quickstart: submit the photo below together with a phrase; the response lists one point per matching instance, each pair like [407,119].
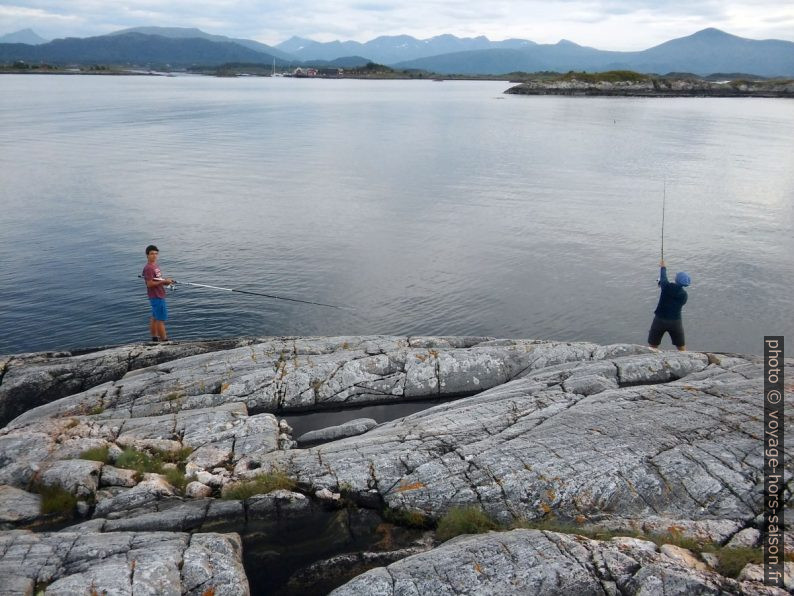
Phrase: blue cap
[682,278]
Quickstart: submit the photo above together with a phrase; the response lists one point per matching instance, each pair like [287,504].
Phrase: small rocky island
[535,467]
[633,84]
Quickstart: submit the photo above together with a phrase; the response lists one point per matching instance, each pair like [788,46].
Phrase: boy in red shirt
[155,289]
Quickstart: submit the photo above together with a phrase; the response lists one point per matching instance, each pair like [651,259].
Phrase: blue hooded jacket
[672,298]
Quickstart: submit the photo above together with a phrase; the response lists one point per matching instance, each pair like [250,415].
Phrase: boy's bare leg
[152,327]
[160,327]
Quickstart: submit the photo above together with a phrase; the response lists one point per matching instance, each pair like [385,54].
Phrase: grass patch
[56,500]
[610,76]
[140,461]
[174,457]
[258,486]
[176,478]
[410,519]
[676,538]
[143,462]
[96,454]
[733,560]
[464,520]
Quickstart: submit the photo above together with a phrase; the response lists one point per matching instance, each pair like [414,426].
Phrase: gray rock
[214,480]
[534,562]
[283,374]
[336,569]
[755,573]
[702,530]
[142,495]
[285,442]
[660,446]
[112,476]
[214,561]
[78,476]
[747,538]
[617,437]
[212,456]
[217,435]
[89,526]
[710,559]
[43,450]
[18,505]
[349,429]
[326,495]
[683,557]
[178,516]
[123,562]
[160,407]
[15,585]
[197,490]
[281,504]
[30,380]
[206,514]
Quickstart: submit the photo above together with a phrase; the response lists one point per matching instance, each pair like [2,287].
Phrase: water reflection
[428,208]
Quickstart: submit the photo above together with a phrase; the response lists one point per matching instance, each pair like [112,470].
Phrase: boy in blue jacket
[668,311]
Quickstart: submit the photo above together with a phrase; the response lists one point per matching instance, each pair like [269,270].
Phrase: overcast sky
[604,24]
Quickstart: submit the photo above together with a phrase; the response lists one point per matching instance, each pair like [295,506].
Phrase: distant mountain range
[394,49]
[705,52]
[135,49]
[193,33]
[27,36]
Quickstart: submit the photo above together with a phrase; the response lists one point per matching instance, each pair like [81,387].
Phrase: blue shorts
[159,309]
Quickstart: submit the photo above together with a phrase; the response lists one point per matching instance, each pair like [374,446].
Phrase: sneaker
[155,339]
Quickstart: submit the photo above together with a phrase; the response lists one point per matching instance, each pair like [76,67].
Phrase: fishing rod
[197,285]
[664,200]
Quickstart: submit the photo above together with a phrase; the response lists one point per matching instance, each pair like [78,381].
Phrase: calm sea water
[430,208]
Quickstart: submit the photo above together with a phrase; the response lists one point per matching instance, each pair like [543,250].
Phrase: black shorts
[674,327]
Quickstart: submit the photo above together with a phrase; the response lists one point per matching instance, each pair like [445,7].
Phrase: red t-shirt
[153,272]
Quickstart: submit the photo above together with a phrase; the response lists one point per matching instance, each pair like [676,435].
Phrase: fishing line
[197,285]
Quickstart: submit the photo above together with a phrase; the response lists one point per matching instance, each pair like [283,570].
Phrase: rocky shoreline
[655,87]
[126,468]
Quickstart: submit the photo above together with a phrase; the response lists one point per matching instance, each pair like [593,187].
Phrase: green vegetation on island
[630,83]
[22,67]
